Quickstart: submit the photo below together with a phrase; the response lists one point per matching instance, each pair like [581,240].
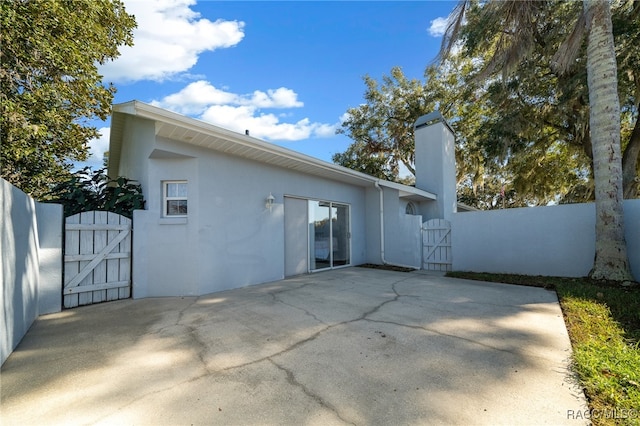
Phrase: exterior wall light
[269,201]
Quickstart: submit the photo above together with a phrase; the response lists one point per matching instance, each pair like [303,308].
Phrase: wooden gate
[436,241]
[97,258]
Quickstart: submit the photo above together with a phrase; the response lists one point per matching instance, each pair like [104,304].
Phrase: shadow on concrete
[351,346]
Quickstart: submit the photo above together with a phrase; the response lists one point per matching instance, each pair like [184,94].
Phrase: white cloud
[438,27]
[279,98]
[240,112]
[195,98]
[168,40]
[263,126]
[325,130]
[97,148]
[345,116]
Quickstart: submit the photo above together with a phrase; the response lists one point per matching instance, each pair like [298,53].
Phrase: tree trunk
[630,160]
[611,260]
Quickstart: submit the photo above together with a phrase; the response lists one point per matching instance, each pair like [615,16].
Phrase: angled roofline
[252,147]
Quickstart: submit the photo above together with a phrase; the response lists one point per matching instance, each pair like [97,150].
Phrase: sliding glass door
[329,235]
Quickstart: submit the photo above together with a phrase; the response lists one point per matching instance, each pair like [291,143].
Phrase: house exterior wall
[372,220]
[229,239]
[31,272]
[552,241]
[402,232]
[137,146]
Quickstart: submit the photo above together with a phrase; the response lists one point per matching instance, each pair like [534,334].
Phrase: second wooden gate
[97,258]
[436,241]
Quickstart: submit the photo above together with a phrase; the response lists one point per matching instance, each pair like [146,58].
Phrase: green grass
[603,321]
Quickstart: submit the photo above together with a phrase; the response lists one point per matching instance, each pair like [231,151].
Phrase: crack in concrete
[440,333]
[319,332]
[377,308]
[191,331]
[283,351]
[291,379]
[179,315]
[290,376]
[306,312]
[274,295]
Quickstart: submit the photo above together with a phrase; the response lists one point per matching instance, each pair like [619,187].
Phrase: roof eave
[334,171]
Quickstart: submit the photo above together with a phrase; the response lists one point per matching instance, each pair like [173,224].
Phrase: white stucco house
[226,210]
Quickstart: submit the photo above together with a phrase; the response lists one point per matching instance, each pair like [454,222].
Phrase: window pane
[182,189]
[176,207]
[172,189]
[176,190]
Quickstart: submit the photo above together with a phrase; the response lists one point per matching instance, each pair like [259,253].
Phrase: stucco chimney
[435,162]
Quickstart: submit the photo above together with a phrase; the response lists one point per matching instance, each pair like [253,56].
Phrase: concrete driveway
[351,346]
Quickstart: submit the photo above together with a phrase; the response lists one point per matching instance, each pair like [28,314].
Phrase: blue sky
[286,71]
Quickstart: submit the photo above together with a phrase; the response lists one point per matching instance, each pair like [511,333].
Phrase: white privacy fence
[31,256]
[554,240]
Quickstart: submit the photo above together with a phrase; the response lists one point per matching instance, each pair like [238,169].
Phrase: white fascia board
[409,191]
[143,110]
[329,170]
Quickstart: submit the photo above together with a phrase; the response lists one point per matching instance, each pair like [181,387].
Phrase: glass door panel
[341,235]
[319,235]
[329,235]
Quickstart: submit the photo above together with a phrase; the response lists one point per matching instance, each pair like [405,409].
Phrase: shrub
[87,190]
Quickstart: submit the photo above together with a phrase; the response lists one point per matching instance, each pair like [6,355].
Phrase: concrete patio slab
[350,346]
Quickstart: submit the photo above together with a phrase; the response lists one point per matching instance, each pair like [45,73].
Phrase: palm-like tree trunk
[517,17]
[611,261]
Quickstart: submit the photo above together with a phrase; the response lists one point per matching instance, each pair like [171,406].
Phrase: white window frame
[166,198]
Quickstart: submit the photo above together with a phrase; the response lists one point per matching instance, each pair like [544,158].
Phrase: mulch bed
[386,267]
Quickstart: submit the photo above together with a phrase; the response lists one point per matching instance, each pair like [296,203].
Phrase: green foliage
[86,191]
[382,129]
[527,132]
[546,104]
[604,326]
[358,157]
[50,86]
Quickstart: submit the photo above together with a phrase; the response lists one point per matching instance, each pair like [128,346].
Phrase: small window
[410,209]
[175,198]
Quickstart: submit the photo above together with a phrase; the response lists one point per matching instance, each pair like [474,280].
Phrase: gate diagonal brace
[437,244]
[99,258]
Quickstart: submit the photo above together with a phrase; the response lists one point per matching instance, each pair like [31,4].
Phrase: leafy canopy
[489,174]
[525,133]
[49,83]
[85,191]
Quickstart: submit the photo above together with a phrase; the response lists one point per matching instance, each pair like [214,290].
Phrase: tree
[611,261]
[513,27]
[383,127]
[547,108]
[361,158]
[382,133]
[49,84]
